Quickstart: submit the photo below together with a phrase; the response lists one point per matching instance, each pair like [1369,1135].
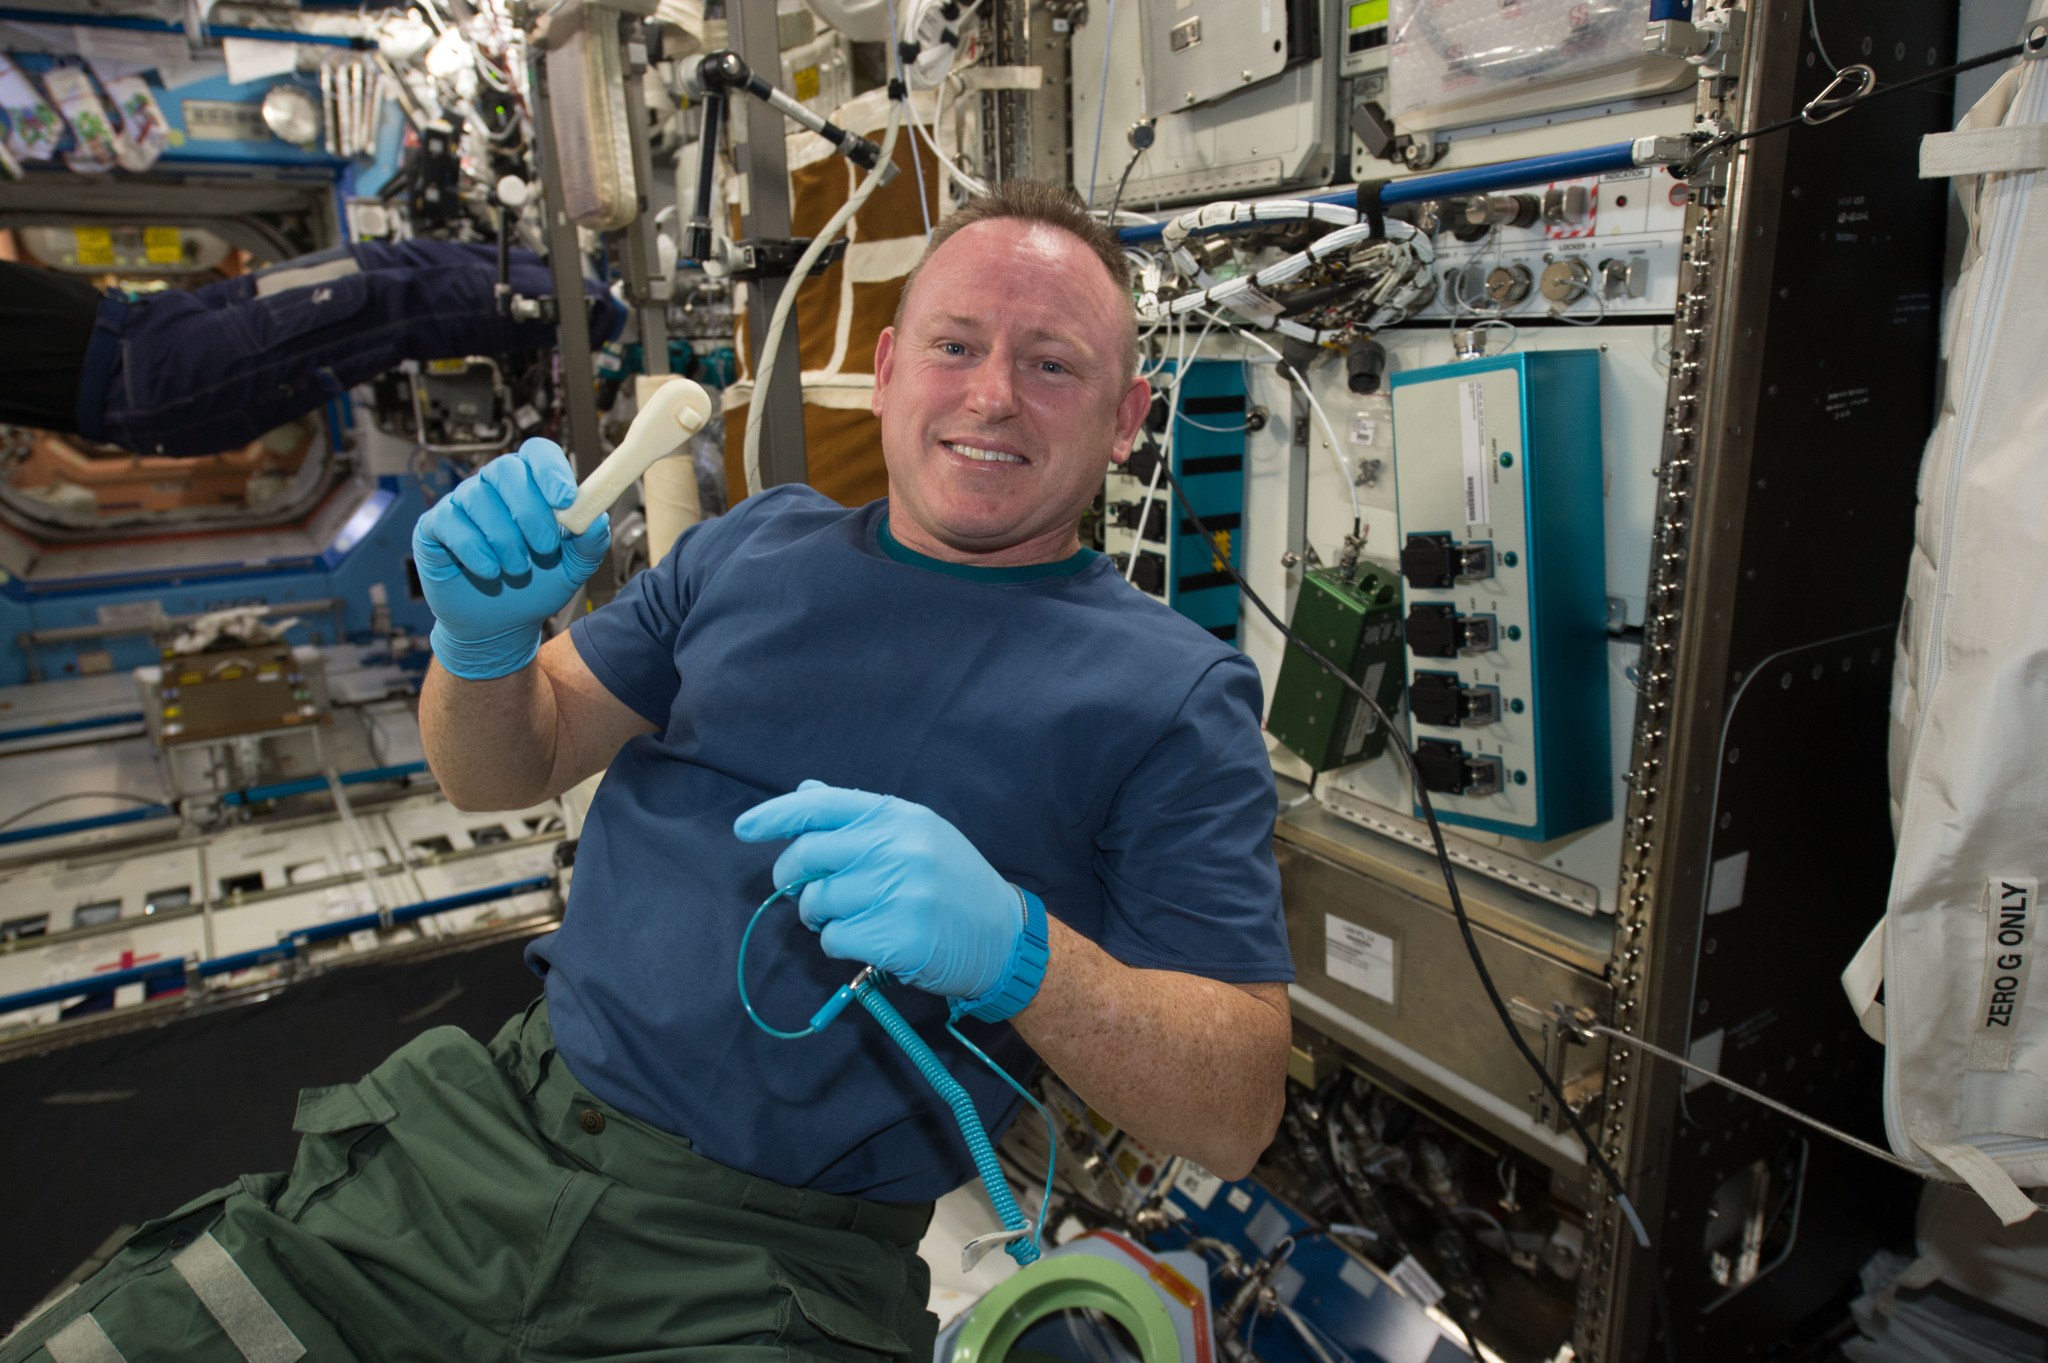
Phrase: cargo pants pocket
[817,1325]
[338,1127]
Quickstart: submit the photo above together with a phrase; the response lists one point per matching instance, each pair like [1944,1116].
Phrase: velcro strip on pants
[82,1341]
[249,1321]
[270,282]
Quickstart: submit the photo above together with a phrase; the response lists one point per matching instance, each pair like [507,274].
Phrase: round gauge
[292,115]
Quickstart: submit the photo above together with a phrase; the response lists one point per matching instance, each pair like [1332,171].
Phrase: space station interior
[1571,409]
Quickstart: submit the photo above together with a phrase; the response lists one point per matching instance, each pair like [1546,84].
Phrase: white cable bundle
[1402,258]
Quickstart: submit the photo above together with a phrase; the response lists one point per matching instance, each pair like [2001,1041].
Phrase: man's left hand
[894,885]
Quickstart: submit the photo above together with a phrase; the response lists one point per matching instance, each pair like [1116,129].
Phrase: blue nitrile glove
[494,564]
[900,888]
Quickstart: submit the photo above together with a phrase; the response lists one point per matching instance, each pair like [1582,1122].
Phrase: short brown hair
[1047,204]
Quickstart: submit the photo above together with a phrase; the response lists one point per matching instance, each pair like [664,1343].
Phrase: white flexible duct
[771,341]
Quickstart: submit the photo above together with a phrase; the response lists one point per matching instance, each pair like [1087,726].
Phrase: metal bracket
[520,308]
[1713,42]
[1676,38]
[1661,150]
[1704,169]
[775,257]
[1575,1023]
[2034,42]
[1376,131]
[1730,26]
[1555,1037]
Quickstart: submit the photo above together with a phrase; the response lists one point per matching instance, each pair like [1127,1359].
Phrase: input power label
[1358,957]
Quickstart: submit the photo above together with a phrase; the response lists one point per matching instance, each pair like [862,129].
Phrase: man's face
[1004,395]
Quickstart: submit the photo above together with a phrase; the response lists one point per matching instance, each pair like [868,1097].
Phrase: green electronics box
[1355,622]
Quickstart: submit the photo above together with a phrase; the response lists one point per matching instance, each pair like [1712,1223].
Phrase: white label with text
[2009,909]
[1358,957]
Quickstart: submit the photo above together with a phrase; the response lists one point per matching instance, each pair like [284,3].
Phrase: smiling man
[1038,800]
[1007,383]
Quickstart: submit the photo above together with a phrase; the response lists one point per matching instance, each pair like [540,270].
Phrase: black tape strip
[1371,209]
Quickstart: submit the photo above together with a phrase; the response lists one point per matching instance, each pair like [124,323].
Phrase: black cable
[1720,144]
[1118,197]
[1443,858]
[21,814]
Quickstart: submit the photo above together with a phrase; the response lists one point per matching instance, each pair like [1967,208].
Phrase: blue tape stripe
[310,784]
[286,948]
[52,830]
[70,726]
[137,25]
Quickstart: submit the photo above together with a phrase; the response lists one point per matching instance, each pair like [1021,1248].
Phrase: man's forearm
[491,743]
[1190,1065]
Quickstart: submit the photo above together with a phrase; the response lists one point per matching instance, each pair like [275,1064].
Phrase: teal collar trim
[1030,572]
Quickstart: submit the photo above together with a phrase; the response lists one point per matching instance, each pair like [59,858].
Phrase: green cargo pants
[467,1204]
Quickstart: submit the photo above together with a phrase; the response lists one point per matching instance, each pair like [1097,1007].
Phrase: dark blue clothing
[45,323]
[209,369]
[1098,749]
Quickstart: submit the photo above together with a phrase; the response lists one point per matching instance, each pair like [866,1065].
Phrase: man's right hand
[494,564]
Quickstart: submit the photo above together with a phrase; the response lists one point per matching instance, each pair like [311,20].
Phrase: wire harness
[1021,1238]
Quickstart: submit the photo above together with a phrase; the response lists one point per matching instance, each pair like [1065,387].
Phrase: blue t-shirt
[1098,749]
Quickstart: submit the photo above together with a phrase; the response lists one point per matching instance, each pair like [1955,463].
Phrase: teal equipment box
[1499,495]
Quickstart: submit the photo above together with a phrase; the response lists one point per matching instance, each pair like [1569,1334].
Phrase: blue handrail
[253,795]
[1530,170]
[51,830]
[287,946]
[69,726]
[135,24]
[307,785]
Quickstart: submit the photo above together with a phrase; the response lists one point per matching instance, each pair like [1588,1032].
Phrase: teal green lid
[1069,1282]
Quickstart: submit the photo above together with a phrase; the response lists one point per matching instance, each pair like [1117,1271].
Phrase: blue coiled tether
[1022,1241]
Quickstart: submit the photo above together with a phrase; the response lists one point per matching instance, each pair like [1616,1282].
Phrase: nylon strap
[82,1341]
[249,1321]
[1984,151]
[1983,1173]
[1862,979]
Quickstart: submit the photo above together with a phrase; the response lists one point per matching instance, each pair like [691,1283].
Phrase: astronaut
[1035,799]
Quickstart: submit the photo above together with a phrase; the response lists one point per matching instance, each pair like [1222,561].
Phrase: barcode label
[1472,433]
